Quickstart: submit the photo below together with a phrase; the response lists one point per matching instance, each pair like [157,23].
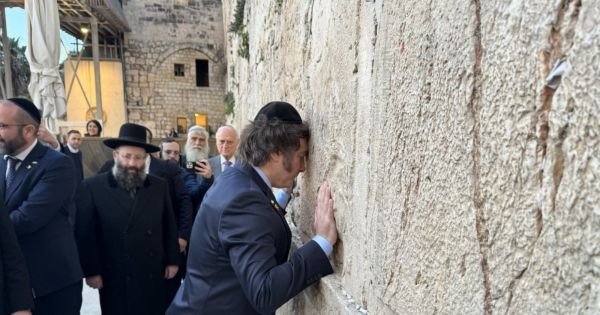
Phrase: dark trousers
[172,285]
[66,301]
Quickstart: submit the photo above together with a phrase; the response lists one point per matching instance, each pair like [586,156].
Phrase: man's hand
[45,136]
[94,282]
[182,245]
[28,312]
[171,271]
[324,219]
[203,169]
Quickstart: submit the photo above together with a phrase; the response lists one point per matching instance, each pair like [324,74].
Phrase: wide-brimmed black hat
[282,111]
[133,135]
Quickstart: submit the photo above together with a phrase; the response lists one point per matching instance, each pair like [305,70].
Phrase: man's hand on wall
[324,219]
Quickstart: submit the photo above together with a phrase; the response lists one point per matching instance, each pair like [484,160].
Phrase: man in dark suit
[181,205]
[71,149]
[238,259]
[126,230]
[39,185]
[170,151]
[15,290]
[227,143]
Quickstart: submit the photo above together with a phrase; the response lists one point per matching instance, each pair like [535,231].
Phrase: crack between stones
[549,57]
[474,108]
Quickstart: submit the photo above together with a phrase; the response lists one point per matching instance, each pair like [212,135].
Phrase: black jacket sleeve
[15,289]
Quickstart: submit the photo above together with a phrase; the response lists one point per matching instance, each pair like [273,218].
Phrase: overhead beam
[96,56]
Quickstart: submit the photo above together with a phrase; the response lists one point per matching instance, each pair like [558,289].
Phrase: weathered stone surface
[165,33]
[462,184]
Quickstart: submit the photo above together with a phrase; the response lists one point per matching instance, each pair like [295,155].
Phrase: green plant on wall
[244,49]
[229,101]
[237,25]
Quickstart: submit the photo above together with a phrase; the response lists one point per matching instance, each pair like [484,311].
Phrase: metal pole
[96,55]
[7,57]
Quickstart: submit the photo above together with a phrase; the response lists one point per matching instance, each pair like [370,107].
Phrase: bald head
[227,141]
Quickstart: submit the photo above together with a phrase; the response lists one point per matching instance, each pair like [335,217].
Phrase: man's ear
[114,154]
[276,157]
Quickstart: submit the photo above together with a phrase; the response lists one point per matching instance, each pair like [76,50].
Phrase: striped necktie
[11,169]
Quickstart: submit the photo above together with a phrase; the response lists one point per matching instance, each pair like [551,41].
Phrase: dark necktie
[11,165]
[227,164]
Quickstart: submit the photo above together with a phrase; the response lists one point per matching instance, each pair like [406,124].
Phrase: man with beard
[181,205]
[170,151]
[199,177]
[126,230]
[238,259]
[38,187]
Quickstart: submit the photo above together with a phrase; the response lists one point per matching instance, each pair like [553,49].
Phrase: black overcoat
[129,241]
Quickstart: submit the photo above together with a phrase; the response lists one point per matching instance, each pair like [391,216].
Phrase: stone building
[463,182]
[174,64]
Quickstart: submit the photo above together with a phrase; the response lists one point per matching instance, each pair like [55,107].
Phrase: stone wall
[462,183]
[165,33]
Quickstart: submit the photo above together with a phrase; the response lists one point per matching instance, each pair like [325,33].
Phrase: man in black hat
[126,230]
[38,187]
[238,257]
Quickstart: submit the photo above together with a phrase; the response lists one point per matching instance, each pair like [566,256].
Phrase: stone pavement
[91,303]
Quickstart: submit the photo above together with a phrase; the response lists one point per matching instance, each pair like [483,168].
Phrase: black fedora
[133,135]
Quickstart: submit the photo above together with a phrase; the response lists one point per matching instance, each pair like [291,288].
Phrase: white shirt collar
[23,155]
[73,150]
[262,175]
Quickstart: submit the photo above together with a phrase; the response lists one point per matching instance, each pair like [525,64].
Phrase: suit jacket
[238,259]
[128,241]
[180,198]
[15,290]
[77,161]
[215,164]
[39,203]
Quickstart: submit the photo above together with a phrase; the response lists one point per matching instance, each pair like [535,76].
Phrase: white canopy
[43,53]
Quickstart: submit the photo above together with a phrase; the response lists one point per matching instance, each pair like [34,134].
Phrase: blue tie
[11,165]
[227,164]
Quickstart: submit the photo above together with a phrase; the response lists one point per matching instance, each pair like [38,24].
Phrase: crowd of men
[158,230]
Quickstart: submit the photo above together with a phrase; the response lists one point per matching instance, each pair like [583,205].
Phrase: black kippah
[282,111]
[28,107]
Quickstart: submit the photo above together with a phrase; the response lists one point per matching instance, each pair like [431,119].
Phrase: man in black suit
[170,151]
[71,149]
[39,185]
[238,259]
[15,290]
[126,230]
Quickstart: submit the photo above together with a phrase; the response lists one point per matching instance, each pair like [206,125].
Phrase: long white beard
[195,155]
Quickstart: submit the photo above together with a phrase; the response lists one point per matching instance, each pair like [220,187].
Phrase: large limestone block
[463,184]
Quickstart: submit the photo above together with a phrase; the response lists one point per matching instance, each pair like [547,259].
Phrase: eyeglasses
[6,126]
[133,157]
[169,152]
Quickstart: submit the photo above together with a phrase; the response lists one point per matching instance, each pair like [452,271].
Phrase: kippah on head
[282,111]
[28,107]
